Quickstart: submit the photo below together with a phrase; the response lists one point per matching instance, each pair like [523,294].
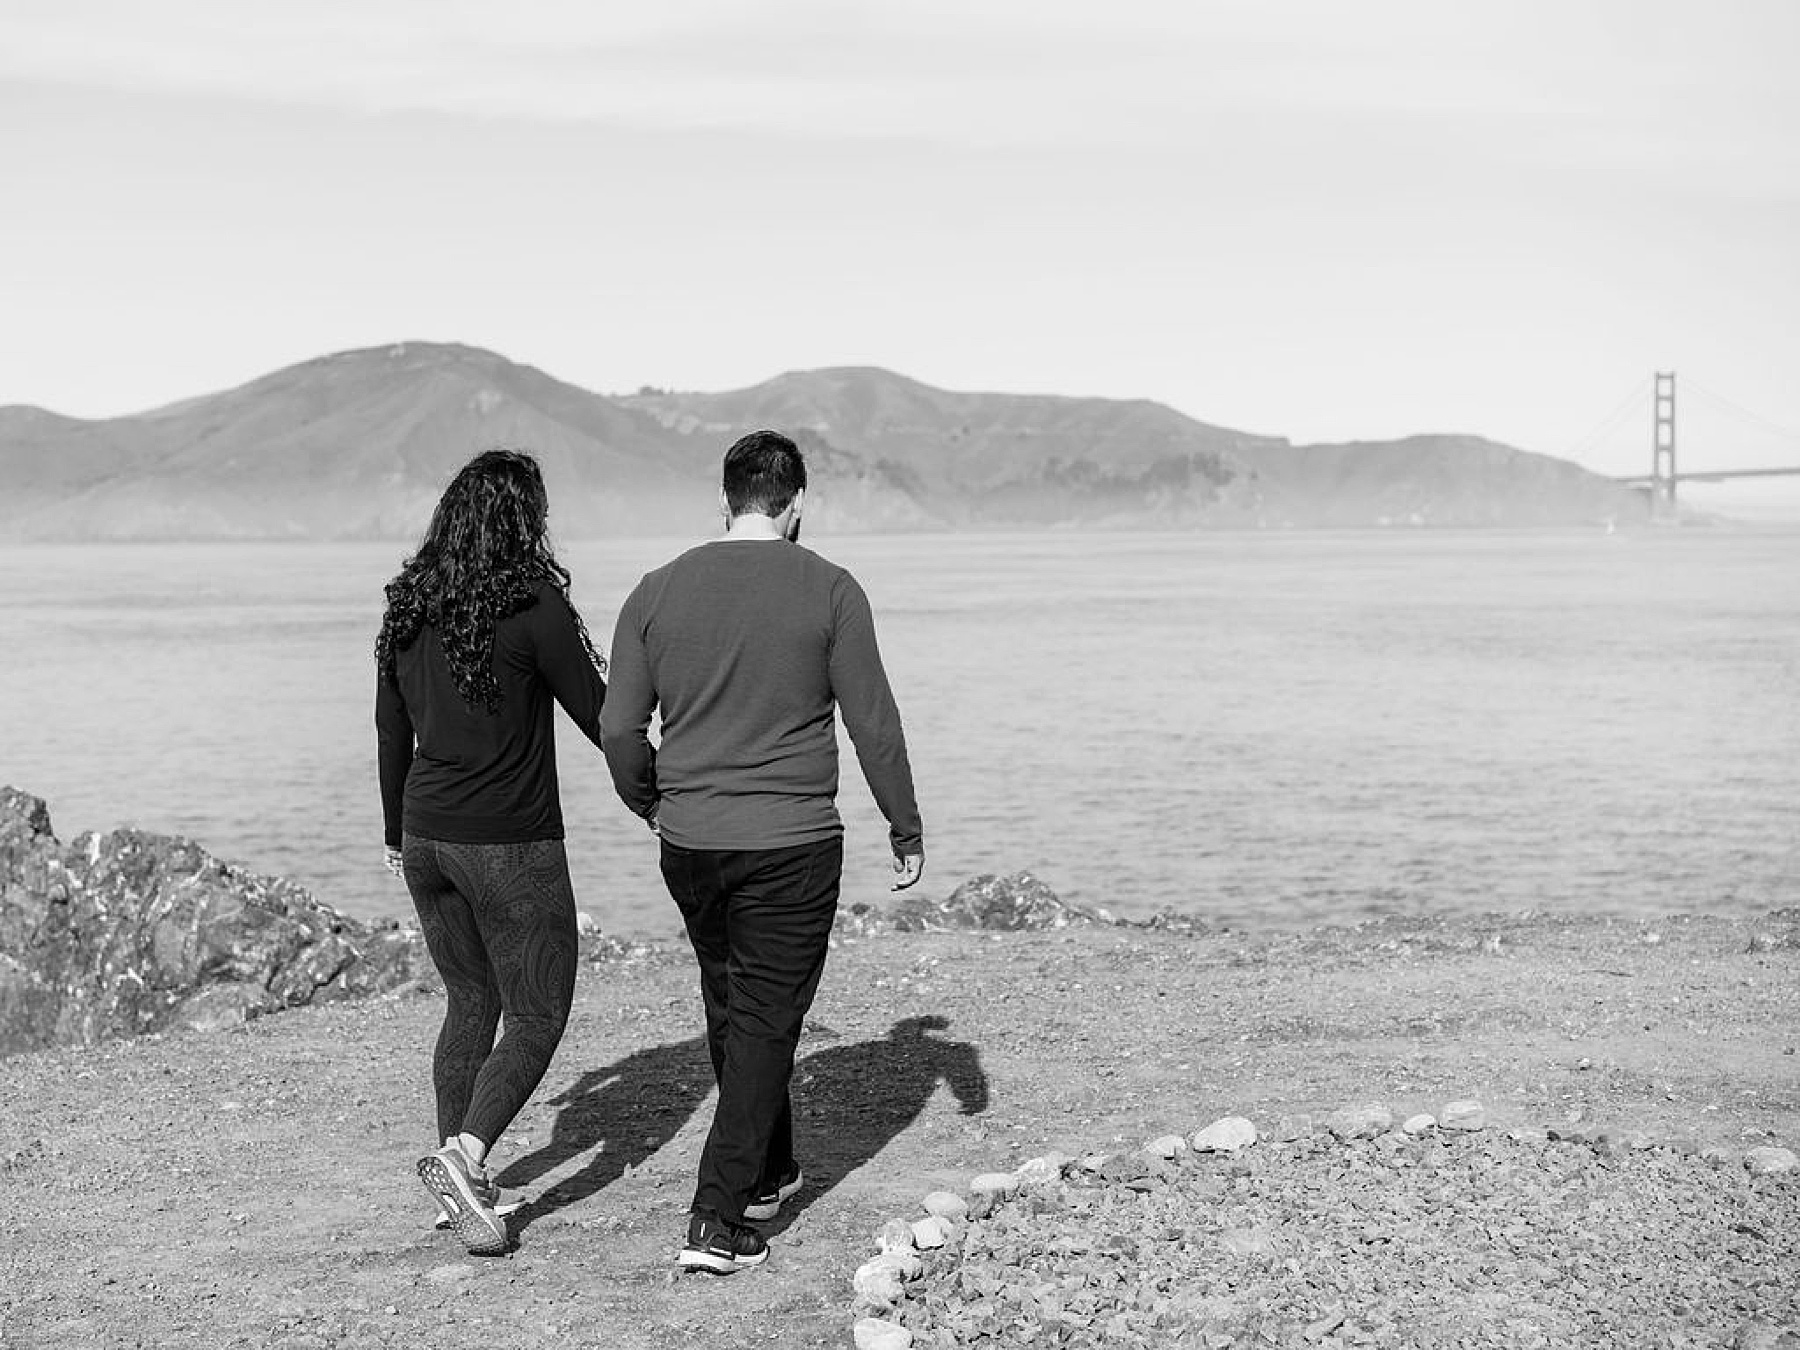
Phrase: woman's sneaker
[467,1197]
[489,1193]
[767,1204]
[722,1248]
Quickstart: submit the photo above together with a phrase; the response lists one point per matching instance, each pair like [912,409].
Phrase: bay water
[1261,729]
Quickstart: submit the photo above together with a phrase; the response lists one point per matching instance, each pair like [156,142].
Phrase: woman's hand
[394,862]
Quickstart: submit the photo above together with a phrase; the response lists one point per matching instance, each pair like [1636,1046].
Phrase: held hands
[393,862]
[908,868]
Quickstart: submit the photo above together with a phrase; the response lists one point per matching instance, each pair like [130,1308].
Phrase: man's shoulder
[804,556]
[838,578]
[722,553]
[684,561]
[793,567]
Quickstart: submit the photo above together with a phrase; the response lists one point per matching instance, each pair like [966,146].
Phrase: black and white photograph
[1020,674]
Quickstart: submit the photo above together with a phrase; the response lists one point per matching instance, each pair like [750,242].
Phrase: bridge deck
[1707,476]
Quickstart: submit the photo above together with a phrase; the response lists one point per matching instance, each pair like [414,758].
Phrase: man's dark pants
[760,923]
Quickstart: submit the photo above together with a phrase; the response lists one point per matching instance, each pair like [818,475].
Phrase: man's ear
[724,504]
[799,505]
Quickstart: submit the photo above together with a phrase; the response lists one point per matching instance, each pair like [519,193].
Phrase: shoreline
[205,1186]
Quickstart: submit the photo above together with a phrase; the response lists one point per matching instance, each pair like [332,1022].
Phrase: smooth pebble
[1225,1135]
[877,1333]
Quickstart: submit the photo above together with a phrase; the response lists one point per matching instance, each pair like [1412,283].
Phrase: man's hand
[394,862]
[908,868]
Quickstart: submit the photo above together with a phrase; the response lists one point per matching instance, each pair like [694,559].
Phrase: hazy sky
[1316,219]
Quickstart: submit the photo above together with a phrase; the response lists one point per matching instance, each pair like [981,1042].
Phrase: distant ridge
[357,445]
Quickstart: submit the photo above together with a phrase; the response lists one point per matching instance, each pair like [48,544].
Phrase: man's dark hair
[763,471]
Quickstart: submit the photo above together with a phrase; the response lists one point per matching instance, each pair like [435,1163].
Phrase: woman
[478,638]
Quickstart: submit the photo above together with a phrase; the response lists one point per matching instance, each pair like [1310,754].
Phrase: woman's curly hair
[483,558]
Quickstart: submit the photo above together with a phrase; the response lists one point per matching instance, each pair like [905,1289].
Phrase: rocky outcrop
[1016,903]
[127,932]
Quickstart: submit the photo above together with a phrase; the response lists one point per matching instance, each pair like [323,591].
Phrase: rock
[1757,1334]
[994,1184]
[1765,941]
[1324,1326]
[1718,1156]
[1176,921]
[878,1282]
[1228,1134]
[1608,1143]
[1469,1115]
[1016,903]
[130,932]
[877,1333]
[1249,1242]
[1769,1161]
[930,1233]
[1423,1123]
[1290,1129]
[1041,1171]
[1574,1133]
[1166,1146]
[1125,1168]
[946,1205]
[1360,1122]
[896,1236]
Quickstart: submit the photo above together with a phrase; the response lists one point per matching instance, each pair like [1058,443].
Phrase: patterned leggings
[499,921]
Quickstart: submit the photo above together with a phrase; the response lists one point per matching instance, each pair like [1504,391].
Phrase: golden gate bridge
[1664,476]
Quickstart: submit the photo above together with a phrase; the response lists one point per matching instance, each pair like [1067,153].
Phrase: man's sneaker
[466,1195]
[721,1248]
[768,1203]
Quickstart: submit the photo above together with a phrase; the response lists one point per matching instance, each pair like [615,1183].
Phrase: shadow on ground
[850,1102]
[628,1110]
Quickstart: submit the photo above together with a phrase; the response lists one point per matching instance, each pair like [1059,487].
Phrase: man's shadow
[850,1102]
[630,1109]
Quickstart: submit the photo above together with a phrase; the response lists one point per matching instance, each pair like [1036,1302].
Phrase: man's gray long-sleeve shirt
[746,645]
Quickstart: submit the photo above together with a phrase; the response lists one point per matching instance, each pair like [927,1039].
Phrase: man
[746,644]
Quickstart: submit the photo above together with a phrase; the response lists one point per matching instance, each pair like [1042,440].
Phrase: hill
[995,459]
[358,445]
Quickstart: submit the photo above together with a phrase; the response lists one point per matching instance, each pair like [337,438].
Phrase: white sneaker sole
[501,1211]
[482,1231]
[759,1213]
[692,1259]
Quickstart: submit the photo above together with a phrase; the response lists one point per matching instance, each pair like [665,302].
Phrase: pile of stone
[129,932]
[1353,1230]
[986,903]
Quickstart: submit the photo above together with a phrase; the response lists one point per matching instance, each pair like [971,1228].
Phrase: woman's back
[481,776]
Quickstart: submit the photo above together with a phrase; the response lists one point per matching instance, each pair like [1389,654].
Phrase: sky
[1306,218]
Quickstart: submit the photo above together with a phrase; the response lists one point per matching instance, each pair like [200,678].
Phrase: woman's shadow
[850,1102]
[629,1109]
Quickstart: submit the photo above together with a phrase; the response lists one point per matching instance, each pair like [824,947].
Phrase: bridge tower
[1662,448]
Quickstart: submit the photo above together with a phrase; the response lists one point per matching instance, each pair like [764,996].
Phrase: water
[1264,729]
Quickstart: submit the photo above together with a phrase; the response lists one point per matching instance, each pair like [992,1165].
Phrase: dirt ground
[255,1187]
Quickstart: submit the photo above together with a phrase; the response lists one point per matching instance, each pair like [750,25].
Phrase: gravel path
[255,1187]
